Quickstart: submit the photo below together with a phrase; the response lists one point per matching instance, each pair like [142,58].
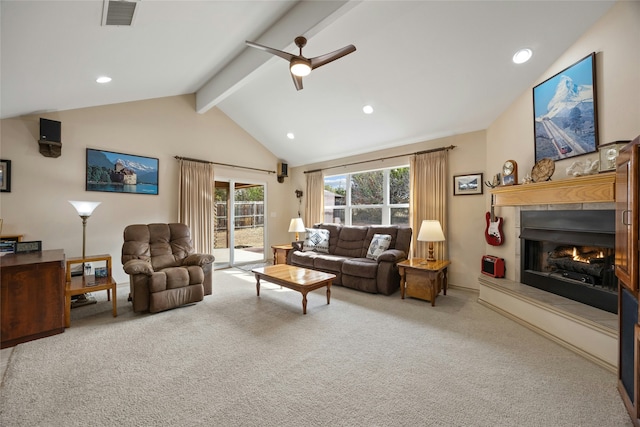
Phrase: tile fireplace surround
[586,330]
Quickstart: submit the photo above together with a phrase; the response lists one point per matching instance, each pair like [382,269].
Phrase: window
[368,198]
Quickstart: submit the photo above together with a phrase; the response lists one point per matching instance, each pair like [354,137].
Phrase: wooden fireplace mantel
[582,189]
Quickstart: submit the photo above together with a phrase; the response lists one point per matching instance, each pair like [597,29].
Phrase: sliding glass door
[239,223]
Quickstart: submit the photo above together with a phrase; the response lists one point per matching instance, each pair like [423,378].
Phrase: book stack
[7,247]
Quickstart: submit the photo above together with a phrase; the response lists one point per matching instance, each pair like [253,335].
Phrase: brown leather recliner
[164,271]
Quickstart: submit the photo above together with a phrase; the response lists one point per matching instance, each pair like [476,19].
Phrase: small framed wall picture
[467,184]
[5,175]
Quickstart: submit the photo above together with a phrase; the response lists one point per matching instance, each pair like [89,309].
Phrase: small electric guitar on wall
[493,232]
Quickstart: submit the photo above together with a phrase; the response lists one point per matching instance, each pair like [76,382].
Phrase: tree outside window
[366,198]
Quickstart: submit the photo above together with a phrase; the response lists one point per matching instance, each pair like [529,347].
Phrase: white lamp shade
[296,226]
[300,67]
[430,231]
[84,208]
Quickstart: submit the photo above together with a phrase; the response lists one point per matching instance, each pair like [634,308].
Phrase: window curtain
[428,199]
[314,207]
[196,194]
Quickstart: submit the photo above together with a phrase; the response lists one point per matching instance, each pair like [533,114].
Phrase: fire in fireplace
[571,253]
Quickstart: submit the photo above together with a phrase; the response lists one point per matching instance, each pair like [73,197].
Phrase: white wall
[616,40]
[163,128]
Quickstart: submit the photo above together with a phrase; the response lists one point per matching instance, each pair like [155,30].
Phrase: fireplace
[571,253]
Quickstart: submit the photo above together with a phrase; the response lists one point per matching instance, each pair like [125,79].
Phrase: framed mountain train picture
[121,173]
[565,114]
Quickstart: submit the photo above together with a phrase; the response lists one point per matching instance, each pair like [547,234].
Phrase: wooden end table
[84,284]
[299,279]
[280,253]
[423,279]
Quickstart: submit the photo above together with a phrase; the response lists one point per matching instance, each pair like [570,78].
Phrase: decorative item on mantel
[543,170]
[586,167]
[494,182]
[609,154]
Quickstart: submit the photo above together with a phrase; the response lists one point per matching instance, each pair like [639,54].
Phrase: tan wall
[466,213]
[614,38]
[163,128]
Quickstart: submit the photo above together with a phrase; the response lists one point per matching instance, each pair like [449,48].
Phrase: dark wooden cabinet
[627,255]
[32,292]
[627,214]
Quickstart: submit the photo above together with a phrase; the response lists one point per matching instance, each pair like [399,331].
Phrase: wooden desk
[422,279]
[84,284]
[32,296]
[280,253]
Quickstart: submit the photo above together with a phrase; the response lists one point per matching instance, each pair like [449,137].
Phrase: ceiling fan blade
[319,61]
[297,80]
[284,55]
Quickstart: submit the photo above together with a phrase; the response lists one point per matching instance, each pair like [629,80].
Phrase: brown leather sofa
[164,272]
[347,257]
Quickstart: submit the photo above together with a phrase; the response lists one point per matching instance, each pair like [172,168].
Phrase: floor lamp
[84,209]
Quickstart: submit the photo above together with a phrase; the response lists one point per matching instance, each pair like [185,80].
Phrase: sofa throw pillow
[379,244]
[317,240]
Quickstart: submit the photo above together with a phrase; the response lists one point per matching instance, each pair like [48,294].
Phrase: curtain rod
[433,150]
[223,164]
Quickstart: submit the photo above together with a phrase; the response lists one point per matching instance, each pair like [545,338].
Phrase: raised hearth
[586,330]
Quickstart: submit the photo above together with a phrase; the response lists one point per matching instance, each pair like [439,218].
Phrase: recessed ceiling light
[367,109]
[522,56]
[103,79]
[290,135]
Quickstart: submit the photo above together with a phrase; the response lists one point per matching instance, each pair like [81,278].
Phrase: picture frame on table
[5,176]
[508,180]
[115,172]
[565,119]
[467,184]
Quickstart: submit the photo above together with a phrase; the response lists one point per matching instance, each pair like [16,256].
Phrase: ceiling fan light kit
[299,66]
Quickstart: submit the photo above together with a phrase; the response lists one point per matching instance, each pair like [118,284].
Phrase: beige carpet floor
[236,359]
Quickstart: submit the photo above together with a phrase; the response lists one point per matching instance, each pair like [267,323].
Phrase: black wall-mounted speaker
[283,169]
[50,130]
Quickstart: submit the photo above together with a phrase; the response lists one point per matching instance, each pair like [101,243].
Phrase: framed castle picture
[121,173]
[565,115]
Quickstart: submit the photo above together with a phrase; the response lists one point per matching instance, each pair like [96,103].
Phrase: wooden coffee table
[296,278]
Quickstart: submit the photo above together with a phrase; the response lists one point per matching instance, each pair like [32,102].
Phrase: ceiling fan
[301,66]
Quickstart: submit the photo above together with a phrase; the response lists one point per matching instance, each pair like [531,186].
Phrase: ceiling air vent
[118,12]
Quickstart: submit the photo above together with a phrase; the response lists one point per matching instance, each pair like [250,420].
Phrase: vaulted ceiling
[429,68]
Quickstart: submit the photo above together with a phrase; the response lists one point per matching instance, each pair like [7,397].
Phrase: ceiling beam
[305,18]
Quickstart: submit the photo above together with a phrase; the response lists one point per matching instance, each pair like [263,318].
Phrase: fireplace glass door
[571,253]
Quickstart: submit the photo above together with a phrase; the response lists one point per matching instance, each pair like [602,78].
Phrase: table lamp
[296,226]
[430,231]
